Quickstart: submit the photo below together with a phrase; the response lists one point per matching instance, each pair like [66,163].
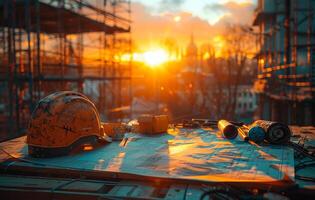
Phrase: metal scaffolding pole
[37,53]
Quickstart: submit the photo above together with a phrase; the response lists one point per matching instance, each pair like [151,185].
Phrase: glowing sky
[157,20]
[209,10]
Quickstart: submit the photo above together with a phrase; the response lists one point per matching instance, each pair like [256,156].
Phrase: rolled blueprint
[256,134]
[228,130]
[276,133]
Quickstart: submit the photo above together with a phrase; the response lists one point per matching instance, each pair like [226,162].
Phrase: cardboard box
[153,123]
[114,129]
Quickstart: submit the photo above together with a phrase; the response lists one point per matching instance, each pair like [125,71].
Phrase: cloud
[151,28]
[215,7]
[240,13]
[170,5]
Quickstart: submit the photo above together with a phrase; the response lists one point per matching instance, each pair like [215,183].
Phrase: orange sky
[152,24]
[175,21]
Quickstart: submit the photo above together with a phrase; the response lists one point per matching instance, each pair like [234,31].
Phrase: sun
[154,58]
[177,18]
[151,58]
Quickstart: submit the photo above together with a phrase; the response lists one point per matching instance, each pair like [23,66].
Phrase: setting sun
[151,58]
[154,58]
[177,18]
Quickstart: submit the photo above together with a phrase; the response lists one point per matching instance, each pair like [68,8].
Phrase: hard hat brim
[45,152]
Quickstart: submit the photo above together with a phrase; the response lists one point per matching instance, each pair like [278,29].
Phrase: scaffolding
[286,60]
[52,45]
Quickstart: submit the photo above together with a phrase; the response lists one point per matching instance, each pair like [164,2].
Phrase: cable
[305,178]
[302,150]
[185,194]
[303,165]
[22,159]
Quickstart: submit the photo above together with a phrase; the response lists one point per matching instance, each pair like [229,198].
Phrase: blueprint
[192,154]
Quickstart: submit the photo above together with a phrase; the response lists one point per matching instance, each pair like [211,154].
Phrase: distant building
[192,53]
[286,60]
[246,103]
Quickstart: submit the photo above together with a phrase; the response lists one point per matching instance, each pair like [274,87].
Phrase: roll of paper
[228,130]
[276,133]
[256,134]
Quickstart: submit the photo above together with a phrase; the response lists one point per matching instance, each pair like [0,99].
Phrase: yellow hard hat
[62,121]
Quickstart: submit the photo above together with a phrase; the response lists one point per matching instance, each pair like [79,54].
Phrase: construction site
[286,76]
[52,45]
[157,100]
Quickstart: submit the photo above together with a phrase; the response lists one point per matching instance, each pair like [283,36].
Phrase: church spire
[191,50]
[192,38]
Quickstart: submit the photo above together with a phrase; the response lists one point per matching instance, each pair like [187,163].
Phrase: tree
[229,70]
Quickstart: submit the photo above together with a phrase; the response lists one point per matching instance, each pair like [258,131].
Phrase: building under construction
[286,60]
[53,45]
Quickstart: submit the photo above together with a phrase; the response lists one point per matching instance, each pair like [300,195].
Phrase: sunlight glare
[206,56]
[154,58]
[219,42]
[177,18]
